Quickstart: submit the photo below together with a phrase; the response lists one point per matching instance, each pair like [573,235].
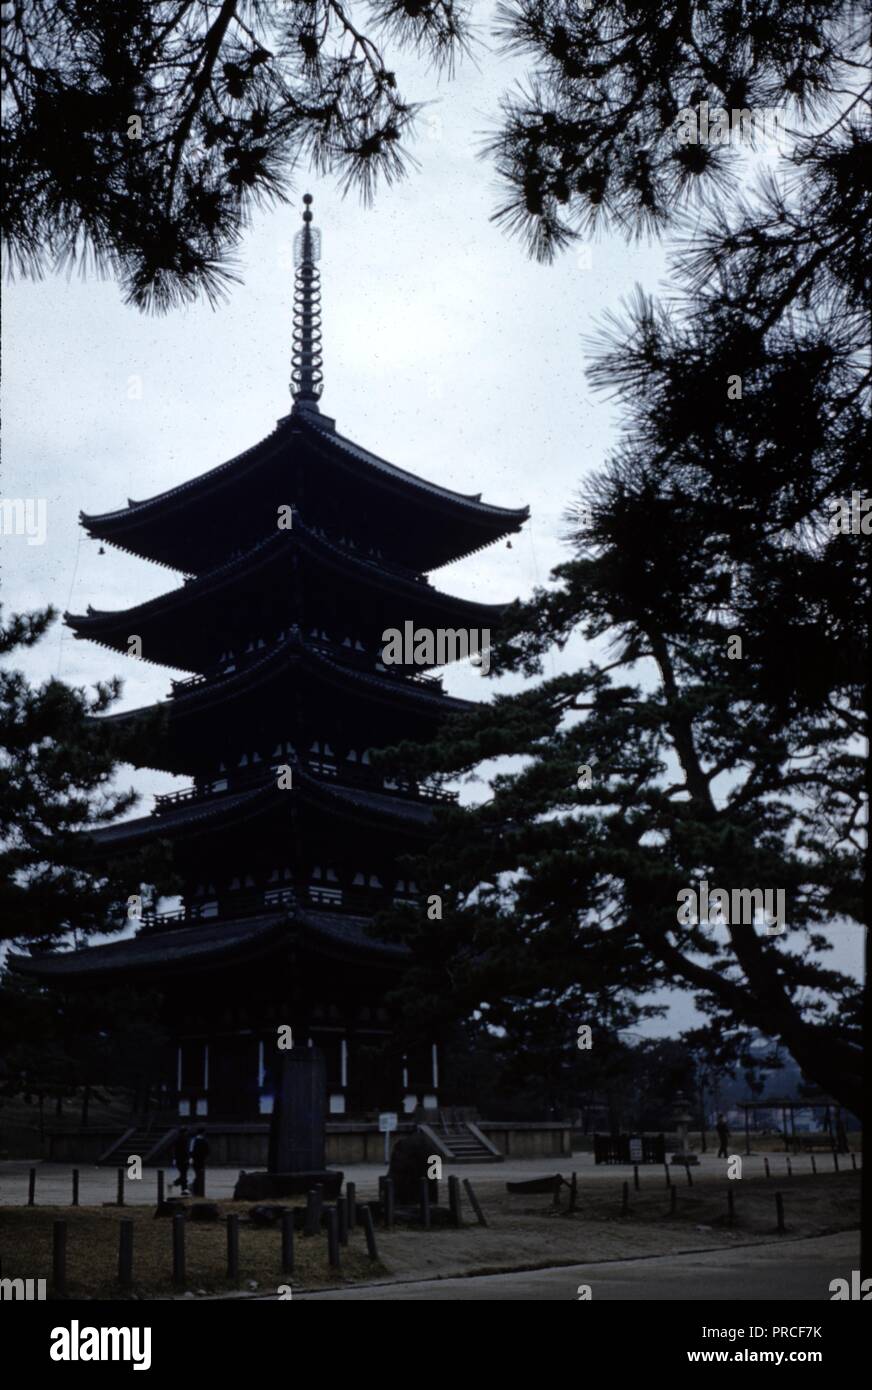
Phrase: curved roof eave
[163,602]
[510,517]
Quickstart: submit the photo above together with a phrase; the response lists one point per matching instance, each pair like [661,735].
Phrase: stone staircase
[149,1143]
[461,1141]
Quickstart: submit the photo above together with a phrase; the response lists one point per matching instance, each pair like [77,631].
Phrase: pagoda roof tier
[184,628]
[194,816]
[215,944]
[411,706]
[193,526]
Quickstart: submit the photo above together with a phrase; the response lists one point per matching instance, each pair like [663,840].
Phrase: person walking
[723,1136]
[181,1160]
[199,1155]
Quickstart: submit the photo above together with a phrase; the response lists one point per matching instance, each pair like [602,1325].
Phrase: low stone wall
[246,1145]
[533,1139]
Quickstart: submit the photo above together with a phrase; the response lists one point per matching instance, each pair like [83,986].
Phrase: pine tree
[141,136]
[716,735]
[57,766]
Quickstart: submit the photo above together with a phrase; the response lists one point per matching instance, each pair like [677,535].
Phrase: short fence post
[779,1210]
[31,1188]
[425,1203]
[75,1201]
[342,1220]
[835,1161]
[668,1174]
[233,1246]
[160,1187]
[454,1199]
[287,1242]
[766,1165]
[125,1253]
[179,1247]
[813,1164]
[59,1256]
[388,1200]
[313,1213]
[636,1176]
[789,1168]
[332,1237]
[120,1188]
[573,1194]
[369,1231]
[854,1162]
[351,1203]
[473,1201]
[689,1175]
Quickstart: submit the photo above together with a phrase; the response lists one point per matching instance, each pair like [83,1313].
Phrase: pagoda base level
[257,1187]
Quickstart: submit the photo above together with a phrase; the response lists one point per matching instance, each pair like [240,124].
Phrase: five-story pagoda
[296,556]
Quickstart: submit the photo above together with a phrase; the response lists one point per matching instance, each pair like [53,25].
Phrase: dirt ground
[523,1232]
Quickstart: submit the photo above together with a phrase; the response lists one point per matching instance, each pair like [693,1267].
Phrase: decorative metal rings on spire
[306,361]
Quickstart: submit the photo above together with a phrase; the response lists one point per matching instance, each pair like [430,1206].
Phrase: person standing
[723,1136]
[199,1155]
[181,1160]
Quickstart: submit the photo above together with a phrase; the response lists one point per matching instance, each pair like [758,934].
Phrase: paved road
[795,1270]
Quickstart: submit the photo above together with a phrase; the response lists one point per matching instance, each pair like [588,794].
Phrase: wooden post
[31,1188]
[332,1238]
[125,1253]
[179,1247]
[59,1256]
[673,1200]
[454,1200]
[813,1164]
[287,1242]
[388,1200]
[789,1168]
[120,1188]
[625,1199]
[313,1213]
[689,1175]
[424,1200]
[75,1201]
[473,1201]
[233,1246]
[351,1203]
[854,1162]
[835,1161]
[668,1174]
[636,1176]
[779,1211]
[160,1187]
[573,1194]
[342,1219]
[731,1209]
[369,1231]
[766,1165]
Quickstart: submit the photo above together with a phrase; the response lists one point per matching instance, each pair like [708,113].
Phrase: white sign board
[387,1123]
[635,1150]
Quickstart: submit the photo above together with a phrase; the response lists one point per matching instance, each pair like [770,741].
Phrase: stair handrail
[122,1138]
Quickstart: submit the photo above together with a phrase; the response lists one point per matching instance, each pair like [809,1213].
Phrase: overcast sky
[446,350]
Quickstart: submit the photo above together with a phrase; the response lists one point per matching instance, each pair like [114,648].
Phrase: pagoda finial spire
[306,361]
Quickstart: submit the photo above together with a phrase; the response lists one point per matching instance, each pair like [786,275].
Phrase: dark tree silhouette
[57,764]
[141,135]
[592,137]
[720,514]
